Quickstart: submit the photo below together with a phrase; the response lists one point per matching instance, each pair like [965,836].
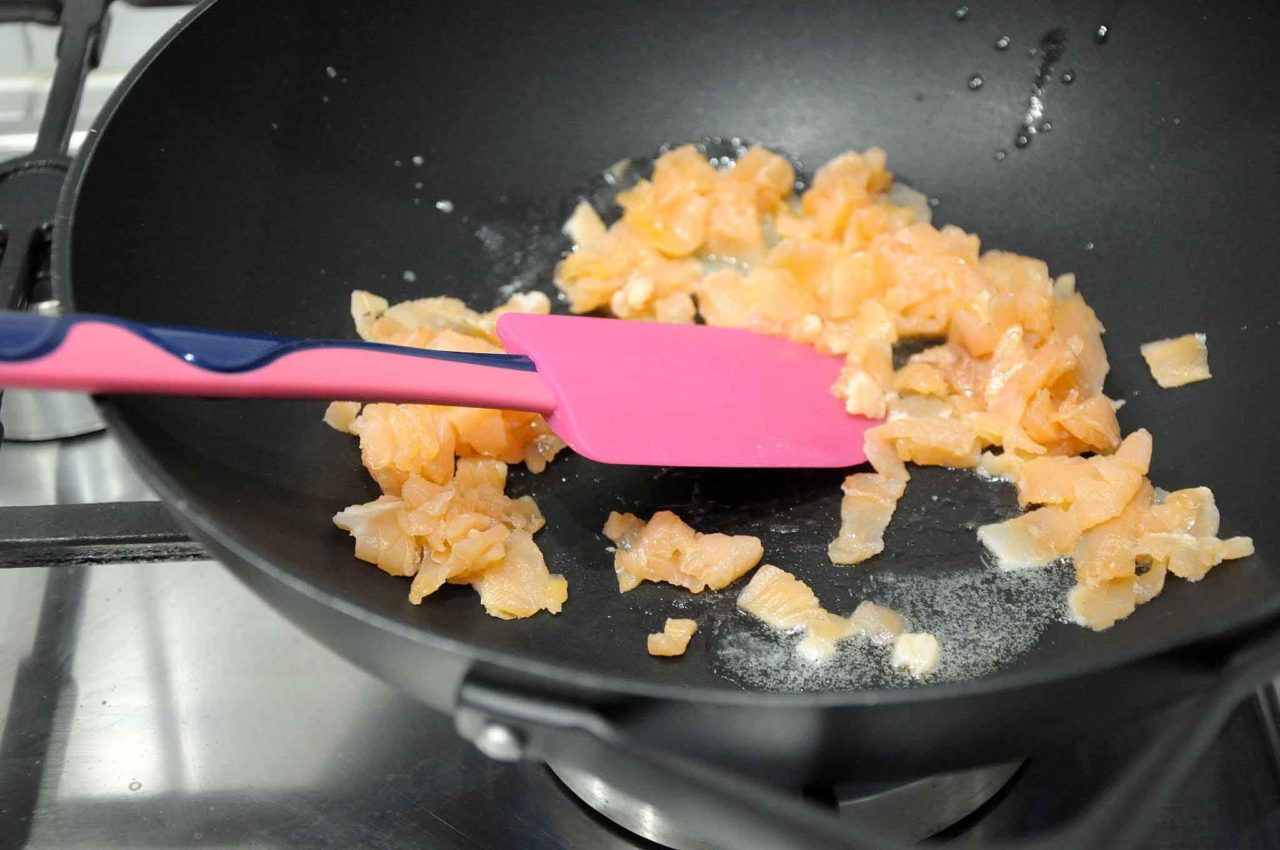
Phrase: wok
[266,159]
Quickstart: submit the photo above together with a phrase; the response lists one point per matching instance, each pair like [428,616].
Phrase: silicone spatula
[617,392]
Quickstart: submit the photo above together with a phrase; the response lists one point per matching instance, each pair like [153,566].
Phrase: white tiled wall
[27,60]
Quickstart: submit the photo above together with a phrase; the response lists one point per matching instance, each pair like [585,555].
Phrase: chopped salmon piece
[1177,362]
[1100,607]
[785,602]
[881,625]
[339,415]
[764,300]
[1006,466]
[467,557]
[1095,489]
[1192,511]
[380,539]
[1108,550]
[768,173]
[1092,421]
[658,290]
[921,379]
[1034,539]
[934,441]
[1190,557]
[779,598]
[735,229]
[673,639]
[399,440]
[1075,324]
[665,549]
[865,511]
[845,183]
[445,517]
[520,585]
[584,226]
[1134,451]
[670,212]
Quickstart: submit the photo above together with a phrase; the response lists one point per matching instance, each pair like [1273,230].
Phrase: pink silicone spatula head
[687,395]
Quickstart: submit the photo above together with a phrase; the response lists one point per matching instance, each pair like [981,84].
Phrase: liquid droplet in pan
[962,13]
[1002,43]
[975,82]
[1068,77]
[1046,126]
[1101,34]
[1022,140]
[1001,154]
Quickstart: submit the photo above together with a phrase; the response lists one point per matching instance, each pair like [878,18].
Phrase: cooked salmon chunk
[785,602]
[444,516]
[665,549]
[1177,362]
[673,639]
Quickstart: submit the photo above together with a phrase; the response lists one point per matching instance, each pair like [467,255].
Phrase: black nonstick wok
[268,158]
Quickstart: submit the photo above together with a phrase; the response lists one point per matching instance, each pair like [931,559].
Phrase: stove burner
[912,810]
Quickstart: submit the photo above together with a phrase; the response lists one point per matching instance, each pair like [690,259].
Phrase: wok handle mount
[103,354]
[734,811]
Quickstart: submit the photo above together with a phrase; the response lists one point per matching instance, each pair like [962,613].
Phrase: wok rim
[224,538]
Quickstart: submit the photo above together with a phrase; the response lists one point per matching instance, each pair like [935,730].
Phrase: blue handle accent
[24,336]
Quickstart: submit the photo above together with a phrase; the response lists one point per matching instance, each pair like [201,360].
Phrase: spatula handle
[103,354]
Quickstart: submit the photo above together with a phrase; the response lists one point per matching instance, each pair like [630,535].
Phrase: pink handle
[102,355]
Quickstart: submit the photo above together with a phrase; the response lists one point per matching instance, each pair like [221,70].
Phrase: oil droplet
[1002,43]
[962,13]
[1177,120]
[1088,246]
[135,785]
[444,205]
[1068,77]
[409,276]
[933,202]
[1033,52]
[331,71]
[1021,140]
[975,82]
[1101,34]
[1046,126]
[1001,154]
[417,159]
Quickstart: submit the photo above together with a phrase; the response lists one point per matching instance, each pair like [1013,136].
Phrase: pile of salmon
[1012,388]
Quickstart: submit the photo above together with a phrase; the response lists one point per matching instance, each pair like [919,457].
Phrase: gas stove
[147,698]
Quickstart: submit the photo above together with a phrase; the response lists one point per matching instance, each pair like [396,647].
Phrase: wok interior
[257,197]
